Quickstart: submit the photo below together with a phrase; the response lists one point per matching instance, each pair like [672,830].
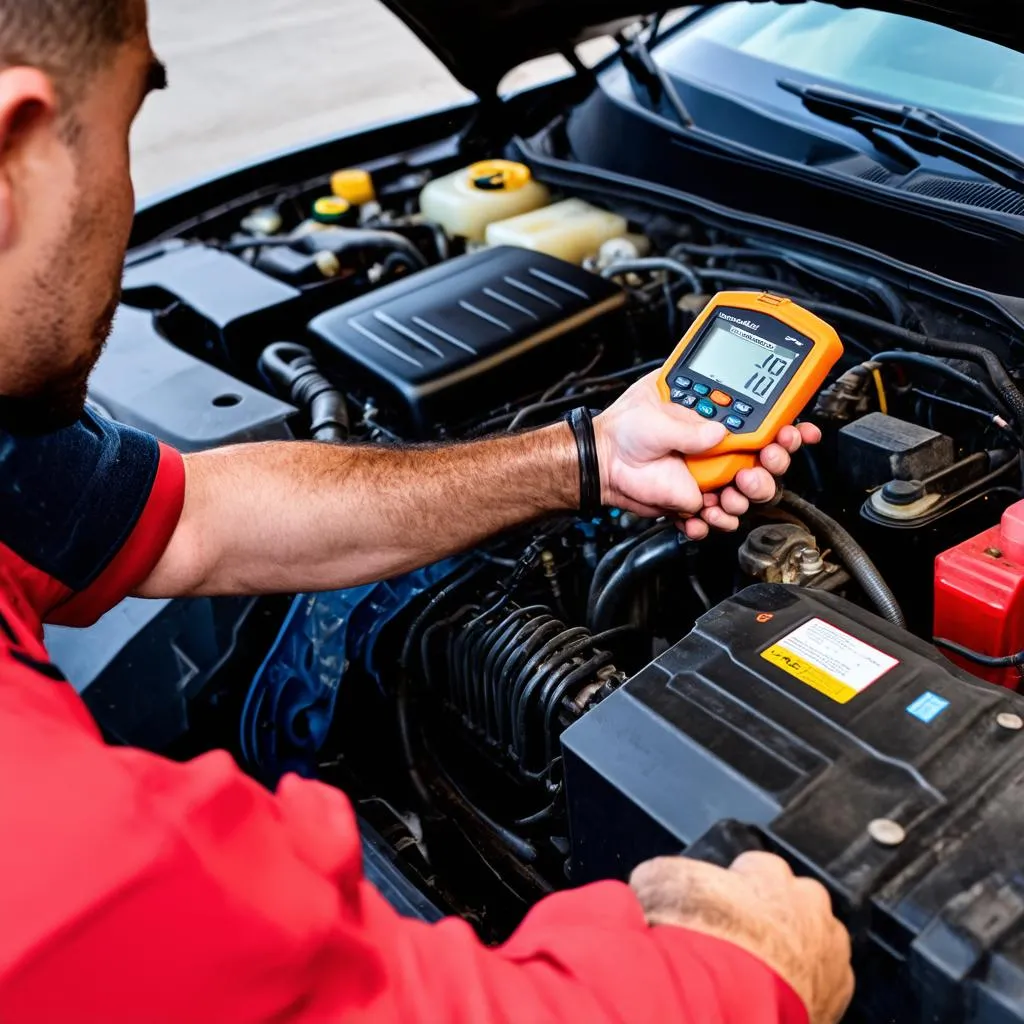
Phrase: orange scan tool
[751,361]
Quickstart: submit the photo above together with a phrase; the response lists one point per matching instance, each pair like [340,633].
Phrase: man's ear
[28,104]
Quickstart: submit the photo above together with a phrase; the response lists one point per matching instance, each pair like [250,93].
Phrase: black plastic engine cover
[445,344]
[743,722]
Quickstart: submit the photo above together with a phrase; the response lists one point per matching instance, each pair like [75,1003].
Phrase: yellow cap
[498,175]
[353,184]
[330,209]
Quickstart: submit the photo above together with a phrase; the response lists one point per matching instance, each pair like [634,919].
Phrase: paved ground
[252,76]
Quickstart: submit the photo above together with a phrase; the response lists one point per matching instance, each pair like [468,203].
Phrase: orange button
[720,398]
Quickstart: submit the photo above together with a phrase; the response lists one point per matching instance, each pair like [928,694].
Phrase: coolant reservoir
[571,230]
[466,201]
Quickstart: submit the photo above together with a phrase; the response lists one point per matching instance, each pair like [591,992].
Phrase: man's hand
[639,442]
[759,905]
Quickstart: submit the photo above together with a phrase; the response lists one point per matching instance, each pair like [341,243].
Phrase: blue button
[742,408]
[689,401]
[702,389]
[734,422]
[683,382]
[706,408]
[677,393]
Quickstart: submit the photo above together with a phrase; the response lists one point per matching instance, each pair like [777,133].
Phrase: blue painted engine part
[290,705]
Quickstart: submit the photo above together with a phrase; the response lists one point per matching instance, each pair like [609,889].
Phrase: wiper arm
[645,74]
[900,130]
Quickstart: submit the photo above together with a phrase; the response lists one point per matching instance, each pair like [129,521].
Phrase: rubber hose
[293,370]
[637,566]
[999,375]
[851,554]
[652,263]
[341,240]
[943,369]
[610,561]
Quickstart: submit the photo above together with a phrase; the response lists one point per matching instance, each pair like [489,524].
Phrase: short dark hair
[68,39]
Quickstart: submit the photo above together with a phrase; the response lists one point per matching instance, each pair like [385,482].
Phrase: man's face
[70,203]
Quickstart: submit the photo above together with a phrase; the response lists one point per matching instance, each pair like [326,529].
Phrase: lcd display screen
[741,363]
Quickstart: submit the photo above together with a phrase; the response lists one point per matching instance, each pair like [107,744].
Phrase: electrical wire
[1011,398]
[994,419]
[937,365]
[651,264]
[985,660]
[883,402]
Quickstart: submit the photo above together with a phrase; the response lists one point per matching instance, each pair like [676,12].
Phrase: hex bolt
[1009,720]
[886,832]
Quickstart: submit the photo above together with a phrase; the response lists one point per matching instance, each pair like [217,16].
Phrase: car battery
[979,596]
[854,750]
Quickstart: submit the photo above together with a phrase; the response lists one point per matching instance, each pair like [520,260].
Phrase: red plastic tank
[979,596]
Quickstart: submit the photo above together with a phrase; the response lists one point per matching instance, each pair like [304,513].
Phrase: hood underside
[482,42]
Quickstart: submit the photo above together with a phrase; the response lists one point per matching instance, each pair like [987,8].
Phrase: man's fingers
[720,519]
[809,433]
[776,459]
[734,503]
[762,865]
[757,485]
[696,529]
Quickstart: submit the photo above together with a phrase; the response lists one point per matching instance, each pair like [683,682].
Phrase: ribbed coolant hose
[850,553]
[656,550]
[293,371]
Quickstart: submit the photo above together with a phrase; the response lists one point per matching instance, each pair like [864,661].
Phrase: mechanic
[133,889]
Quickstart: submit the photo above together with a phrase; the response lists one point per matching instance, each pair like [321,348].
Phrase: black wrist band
[590,471]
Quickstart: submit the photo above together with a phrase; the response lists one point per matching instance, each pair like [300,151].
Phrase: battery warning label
[829,660]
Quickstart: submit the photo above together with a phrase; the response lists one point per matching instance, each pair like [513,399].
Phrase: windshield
[909,60]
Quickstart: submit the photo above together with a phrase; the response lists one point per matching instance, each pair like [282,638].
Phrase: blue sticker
[928,706]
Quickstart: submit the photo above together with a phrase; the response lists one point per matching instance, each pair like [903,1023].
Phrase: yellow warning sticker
[829,660]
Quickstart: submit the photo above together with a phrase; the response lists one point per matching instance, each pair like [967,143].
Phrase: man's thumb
[700,437]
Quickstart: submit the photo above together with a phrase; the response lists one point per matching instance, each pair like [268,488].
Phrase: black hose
[986,660]
[294,372]
[638,565]
[997,372]
[338,240]
[611,560]
[850,553]
[740,277]
[944,369]
[648,264]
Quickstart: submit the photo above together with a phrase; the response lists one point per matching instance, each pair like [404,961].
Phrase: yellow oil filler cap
[354,185]
[332,210]
[498,175]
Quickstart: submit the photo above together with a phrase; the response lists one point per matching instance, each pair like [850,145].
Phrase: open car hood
[481,42]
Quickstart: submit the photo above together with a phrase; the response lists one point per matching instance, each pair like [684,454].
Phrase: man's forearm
[282,517]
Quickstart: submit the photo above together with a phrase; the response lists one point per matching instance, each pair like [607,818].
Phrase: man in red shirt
[133,889]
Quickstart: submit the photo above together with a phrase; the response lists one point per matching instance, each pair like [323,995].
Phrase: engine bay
[481,713]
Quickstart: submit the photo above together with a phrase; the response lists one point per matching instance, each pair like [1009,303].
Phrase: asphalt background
[248,77]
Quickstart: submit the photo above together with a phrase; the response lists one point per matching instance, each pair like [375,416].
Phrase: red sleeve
[139,554]
[188,893]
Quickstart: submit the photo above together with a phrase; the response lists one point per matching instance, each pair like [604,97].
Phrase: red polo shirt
[137,890]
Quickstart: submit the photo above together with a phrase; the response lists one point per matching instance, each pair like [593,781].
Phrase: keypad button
[677,393]
[734,422]
[683,382]
[721,398]
[689,401]
[707,409]
[702,389]
[743,409]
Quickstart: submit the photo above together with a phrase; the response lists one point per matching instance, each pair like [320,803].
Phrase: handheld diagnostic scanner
[751,361]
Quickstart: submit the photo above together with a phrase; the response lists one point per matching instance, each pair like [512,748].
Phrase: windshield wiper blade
[900,130]
[645,74]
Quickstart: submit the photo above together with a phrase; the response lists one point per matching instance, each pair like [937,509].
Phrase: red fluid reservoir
[979,596]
